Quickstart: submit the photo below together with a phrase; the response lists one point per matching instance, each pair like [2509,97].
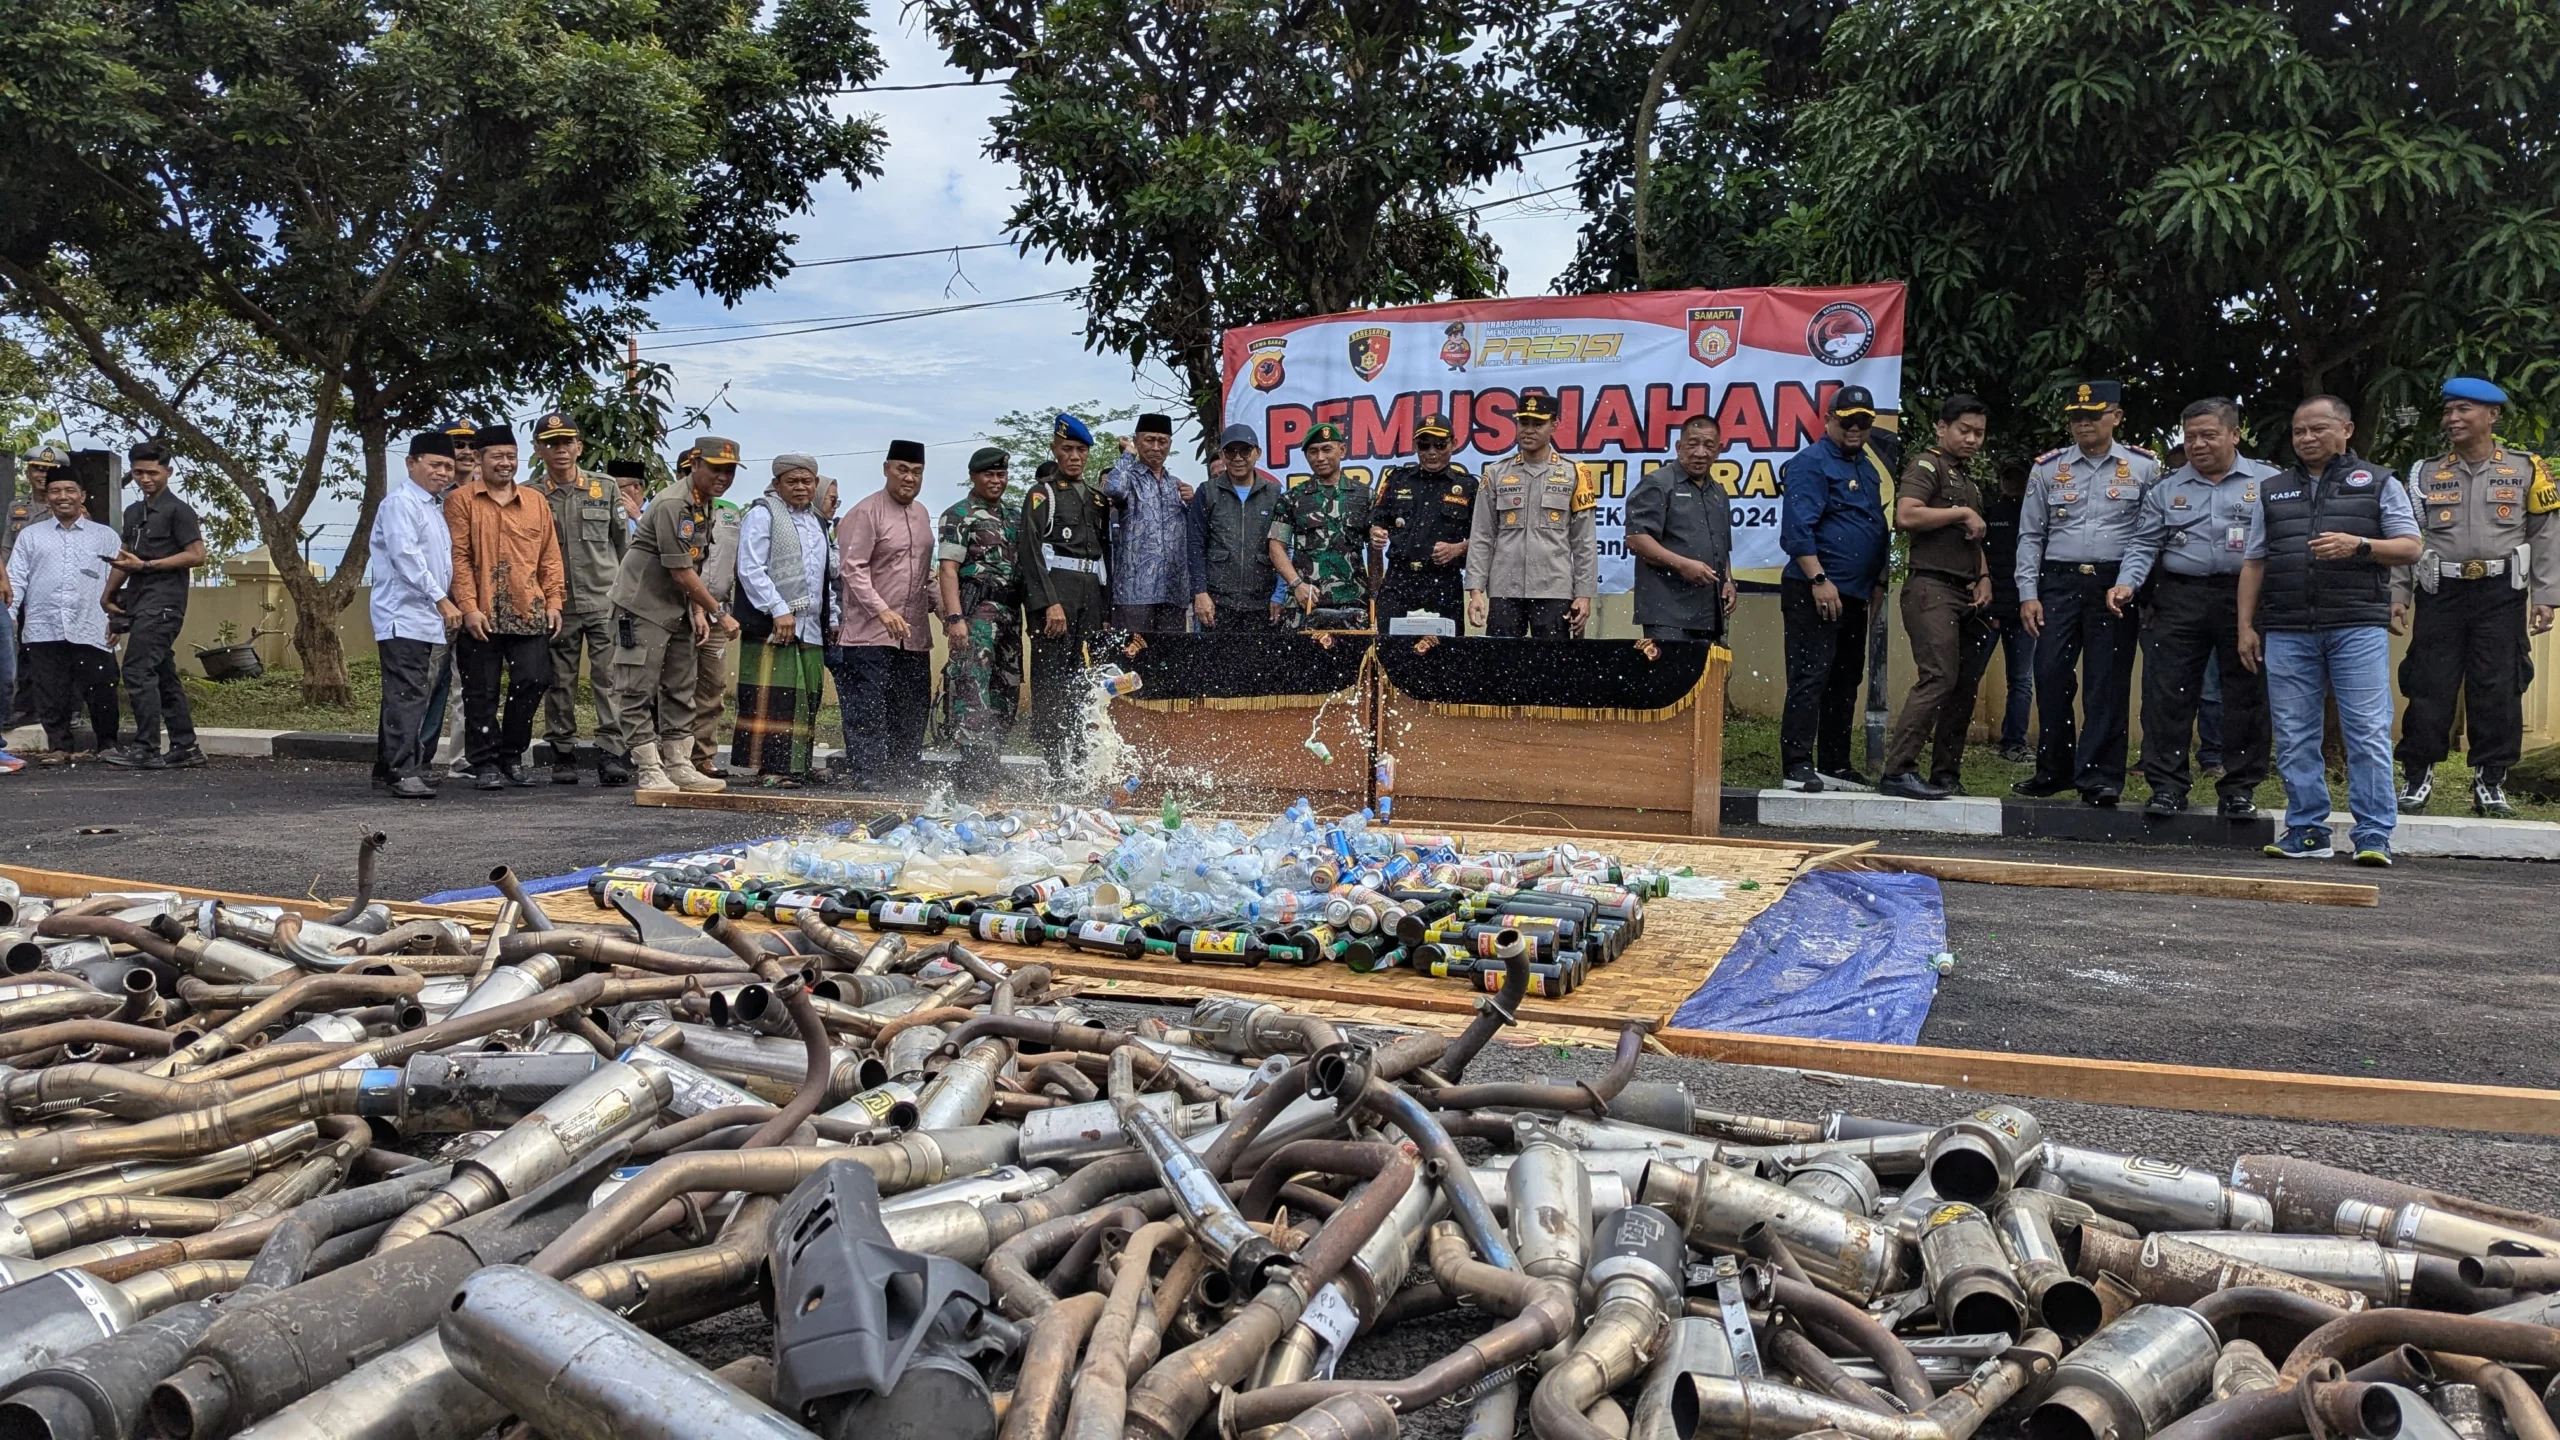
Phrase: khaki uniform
[1949,637]
[588,516]
[2491,550]
[1534,542]
[711,657]
[653,654]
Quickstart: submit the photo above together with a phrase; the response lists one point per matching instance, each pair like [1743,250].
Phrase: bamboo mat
[1682,944]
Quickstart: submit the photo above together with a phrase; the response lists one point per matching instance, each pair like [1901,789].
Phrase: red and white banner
[1625,371]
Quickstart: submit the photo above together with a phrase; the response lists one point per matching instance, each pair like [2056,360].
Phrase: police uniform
[1420,508]
[2490,554]
[1326,530]
[586,510]
[982,678]
[1533,543]
[1058,553]
[2188,545]
[2073,529]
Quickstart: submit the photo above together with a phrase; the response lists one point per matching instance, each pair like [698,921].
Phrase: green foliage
[1237,161]
[1024,437]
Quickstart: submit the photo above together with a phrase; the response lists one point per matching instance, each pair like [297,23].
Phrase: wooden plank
[2148,882]
[1842,857]
[1706,749]
[2287,1095]
[70,882]
[1288,984]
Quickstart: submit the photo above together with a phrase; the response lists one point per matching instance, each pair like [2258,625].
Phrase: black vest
[2300,593]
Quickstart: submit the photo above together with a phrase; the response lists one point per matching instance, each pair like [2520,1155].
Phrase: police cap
[2475,390]
[2093,397]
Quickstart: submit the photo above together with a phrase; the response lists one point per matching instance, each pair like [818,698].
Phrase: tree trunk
[1640,148]
[316,608]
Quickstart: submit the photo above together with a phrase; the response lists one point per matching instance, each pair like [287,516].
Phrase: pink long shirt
[884,550]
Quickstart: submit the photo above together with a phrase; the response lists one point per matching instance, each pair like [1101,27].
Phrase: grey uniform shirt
[1688,516]
[2080,509]
[2190,525]
[2483,510]
[1535,532]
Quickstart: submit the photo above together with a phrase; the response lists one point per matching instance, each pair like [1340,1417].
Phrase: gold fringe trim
[1245,702]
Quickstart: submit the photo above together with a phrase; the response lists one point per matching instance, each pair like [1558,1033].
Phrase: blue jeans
[2303,668]
[2018,660]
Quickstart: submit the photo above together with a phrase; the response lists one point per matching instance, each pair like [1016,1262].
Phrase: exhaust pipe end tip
[194,1404]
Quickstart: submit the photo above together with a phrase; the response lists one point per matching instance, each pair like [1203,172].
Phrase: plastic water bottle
[1113,680]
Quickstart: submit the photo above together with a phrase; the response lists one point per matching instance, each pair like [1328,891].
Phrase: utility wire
[936,85]
[1515,199]
[898,255]
[881,319]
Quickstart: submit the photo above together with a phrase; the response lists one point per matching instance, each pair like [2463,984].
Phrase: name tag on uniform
[2177,502]
[2235,537]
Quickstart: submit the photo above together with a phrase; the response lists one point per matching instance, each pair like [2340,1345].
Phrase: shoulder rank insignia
[2544,497]
[2145,454]
[2051,454]
[1586,487]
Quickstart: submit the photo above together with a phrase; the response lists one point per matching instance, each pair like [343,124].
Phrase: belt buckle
[2087,569]
[2475,569]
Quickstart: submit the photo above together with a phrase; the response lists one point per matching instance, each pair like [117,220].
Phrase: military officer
[1319,531]
[1420,514]
[981,603]
[661,611]
[1533,542]
[2081,506]
[2189,544]
[2488,578]
[1058,553]
[585,512]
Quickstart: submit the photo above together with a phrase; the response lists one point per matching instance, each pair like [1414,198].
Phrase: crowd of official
[2262,595]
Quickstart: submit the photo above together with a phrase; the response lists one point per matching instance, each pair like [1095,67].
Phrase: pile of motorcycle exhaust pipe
[375,1177]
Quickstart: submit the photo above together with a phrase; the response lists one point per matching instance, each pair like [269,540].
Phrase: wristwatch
[2364,549]
[1818,579]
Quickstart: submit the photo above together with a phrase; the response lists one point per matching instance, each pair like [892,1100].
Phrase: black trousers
[1057,667]
[491,734]
[151,684]
[883,692]
[409,671]
[1533,619]
[2469,638]
[1241,612]
[1826,662]
[2085,653]
[65,675]
[1436,588]
[2196,619]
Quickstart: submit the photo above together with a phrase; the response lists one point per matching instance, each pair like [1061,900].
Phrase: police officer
[2488,577]
[2081,504]
[1319,532]
[1066,596]
[661,610]
[2188,544]
[1421,514]
[1533,544]
[587,514]
[981,602]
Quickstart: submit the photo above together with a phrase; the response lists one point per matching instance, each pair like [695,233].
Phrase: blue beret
[1071,428]
[2466,387]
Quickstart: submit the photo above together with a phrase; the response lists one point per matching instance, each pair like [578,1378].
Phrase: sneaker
[413,787]
[2418,783]
[10,764]
[2164,803]
[1846,779]
[2018,754]
[2239,807]
[186,757]
[136,757]
[489,779]
[2488,797]
[2377,857]
[515,775]
[1801,777]
[2303,842]
[1907,786]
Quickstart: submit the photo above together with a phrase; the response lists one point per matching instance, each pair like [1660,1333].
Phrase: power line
[936,85]
[1515,199]
[897,255]
[1566,145]
[883,319]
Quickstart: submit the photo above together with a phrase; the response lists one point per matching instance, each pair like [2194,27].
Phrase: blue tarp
[1839,957]
[579,877]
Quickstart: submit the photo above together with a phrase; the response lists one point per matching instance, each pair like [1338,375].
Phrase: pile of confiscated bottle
[398,1176]
[1297,891]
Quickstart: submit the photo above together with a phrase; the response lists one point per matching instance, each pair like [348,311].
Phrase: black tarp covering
[1629,678]
[1239,666]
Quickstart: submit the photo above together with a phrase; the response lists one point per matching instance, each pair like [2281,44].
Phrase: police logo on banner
[1268,367]
[1369,351]
[1455,351]
[1840,333]
[1715,333]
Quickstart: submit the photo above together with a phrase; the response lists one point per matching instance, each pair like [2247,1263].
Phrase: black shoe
[1907,786]
[2164,803]
[412,787]
[490,779]
[2417,786]
[515,775]
[185,757]
[1801,777]
[136,757]
[2239,807]
[2037,787]
[564,772]
[613,770]
[2102,797]
[1846,778]
[1951,783]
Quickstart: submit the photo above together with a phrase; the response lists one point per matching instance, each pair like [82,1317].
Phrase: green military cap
[1325,432]
[988,457]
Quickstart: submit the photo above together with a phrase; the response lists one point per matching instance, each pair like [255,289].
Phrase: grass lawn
[1751,760]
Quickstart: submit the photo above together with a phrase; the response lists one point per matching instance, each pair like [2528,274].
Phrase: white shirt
[412,566]
[755,558]
[59,574]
